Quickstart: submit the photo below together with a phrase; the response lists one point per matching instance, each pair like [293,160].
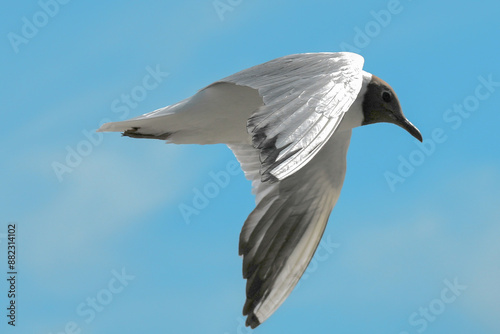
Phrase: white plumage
[288,122]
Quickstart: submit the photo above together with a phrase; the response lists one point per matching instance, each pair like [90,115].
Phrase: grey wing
[282,233]
[305,97]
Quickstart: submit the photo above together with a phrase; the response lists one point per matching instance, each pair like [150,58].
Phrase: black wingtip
[134,133]
[252,321]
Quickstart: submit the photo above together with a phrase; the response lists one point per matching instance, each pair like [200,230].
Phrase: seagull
[288,122]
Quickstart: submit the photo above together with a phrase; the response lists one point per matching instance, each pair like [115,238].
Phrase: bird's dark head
[380,104]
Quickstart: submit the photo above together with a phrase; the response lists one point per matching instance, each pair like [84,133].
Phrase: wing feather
[305,97]
[282,233]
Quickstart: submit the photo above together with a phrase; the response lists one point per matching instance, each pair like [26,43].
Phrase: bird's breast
[354,116]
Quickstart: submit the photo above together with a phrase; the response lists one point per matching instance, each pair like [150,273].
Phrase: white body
[289,124]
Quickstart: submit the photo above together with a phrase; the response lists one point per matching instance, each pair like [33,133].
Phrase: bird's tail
[216,114]
[159,124]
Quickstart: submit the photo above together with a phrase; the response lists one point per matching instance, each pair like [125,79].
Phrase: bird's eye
[386,96]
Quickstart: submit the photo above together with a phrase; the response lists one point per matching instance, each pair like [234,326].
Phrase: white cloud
[105,193]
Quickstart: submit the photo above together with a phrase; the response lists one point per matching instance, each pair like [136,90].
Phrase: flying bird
[288,122]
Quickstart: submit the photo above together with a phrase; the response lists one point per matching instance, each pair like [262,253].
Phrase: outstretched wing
[305,97]
[281,235]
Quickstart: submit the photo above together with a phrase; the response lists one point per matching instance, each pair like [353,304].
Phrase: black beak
[406,124]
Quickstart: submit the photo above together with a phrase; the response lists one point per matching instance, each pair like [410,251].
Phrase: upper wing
[305,97]
[281,235]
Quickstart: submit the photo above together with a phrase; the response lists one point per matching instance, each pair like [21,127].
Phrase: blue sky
[102,244]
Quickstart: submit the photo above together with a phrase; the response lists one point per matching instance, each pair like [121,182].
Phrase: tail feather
[216,114]
[158,124]
[142,128]
[124,125]
[135,133]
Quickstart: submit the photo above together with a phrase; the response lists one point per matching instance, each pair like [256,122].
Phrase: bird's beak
[412,129]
